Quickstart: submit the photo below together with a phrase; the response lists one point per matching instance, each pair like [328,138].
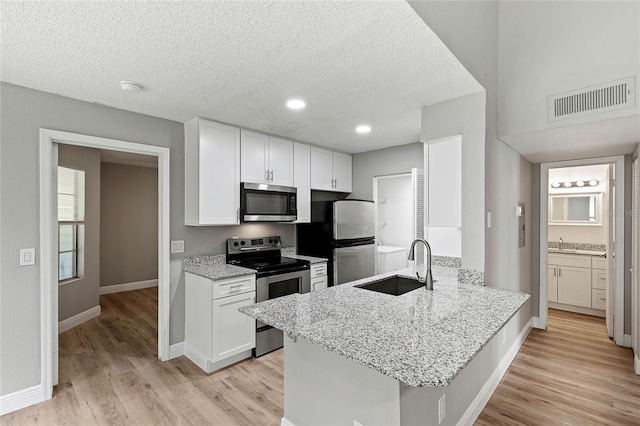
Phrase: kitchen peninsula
[355,354]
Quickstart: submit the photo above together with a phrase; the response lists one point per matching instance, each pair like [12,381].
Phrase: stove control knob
[275,240]
[242,242]
[270,240]
[235,244]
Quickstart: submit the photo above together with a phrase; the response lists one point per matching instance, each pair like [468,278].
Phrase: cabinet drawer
[318,269]
[233,286]
[599,279]
[569,260]
[599,299]
[599,262]
[319,283]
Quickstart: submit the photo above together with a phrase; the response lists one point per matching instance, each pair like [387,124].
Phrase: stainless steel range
[276,276]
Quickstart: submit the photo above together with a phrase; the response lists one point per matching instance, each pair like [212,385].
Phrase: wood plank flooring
[109,375]
[571,373]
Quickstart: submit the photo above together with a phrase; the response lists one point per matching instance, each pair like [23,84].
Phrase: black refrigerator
[342,231]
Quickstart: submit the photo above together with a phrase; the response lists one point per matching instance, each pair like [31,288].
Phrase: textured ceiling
[238,62]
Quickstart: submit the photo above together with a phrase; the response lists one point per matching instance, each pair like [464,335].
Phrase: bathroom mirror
[575,209]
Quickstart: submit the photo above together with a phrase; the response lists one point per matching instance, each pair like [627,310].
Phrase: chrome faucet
[428,278]
[561,243]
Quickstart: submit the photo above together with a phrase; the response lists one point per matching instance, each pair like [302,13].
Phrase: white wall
[552,47]
[394,211]
[23,113]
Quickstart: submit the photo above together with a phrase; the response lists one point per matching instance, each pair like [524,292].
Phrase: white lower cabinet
[575,279]
[319,279]
[552,283]
[216,333]
[574,286]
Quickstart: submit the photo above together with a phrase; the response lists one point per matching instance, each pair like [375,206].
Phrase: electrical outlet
[442,408]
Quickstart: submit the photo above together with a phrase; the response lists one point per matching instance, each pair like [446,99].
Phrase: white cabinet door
[280,162]
[233,331]
[341,172]
[212,173]
[574,286]
[321,169]
[302,180]
[552,283]
[319,283]
[253,154]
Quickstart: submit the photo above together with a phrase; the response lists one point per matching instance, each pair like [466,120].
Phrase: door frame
[618,311]
[48,271]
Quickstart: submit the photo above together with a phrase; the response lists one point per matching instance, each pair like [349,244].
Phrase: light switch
[177,246]
[27,257]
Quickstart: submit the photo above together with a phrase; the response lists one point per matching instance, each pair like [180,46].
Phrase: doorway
[552,203]
[48,240]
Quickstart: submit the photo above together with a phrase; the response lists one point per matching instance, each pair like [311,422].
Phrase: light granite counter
[214,267]
[291,252]
[578,251]
[421,338]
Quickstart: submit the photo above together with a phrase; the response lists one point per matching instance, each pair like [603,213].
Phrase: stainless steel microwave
[267,203]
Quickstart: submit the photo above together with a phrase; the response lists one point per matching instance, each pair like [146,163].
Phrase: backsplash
[469,276]
[577,246]
[448,261]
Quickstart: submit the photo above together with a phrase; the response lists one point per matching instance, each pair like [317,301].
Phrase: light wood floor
[109,374]
[571,373]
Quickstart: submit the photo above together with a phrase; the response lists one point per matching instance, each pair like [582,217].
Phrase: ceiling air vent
[605,97]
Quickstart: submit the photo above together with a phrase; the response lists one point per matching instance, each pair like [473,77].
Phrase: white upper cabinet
[212,173]
[265,159]
[330,171]
[302,180]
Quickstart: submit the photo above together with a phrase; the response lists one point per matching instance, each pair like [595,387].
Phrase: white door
[611,254]
[280,162]
[342,172]
[253,157]
[635,258]
[321,169]
[552,283]
[55,267]
[301,180]
[233,331]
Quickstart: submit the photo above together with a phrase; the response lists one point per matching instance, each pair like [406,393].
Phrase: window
[70,223]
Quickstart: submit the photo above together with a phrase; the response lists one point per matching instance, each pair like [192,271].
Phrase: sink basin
[394,286]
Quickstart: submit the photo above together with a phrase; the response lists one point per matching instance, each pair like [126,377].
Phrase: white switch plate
[27,257]
[442,408]
[177,246]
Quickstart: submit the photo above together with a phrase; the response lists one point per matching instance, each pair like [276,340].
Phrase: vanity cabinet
[216,333]
[599,283]
[319,278]
[266,159]
[212,173]
[330,171]
[577,280]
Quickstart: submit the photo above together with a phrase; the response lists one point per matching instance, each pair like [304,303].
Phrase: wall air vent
[597,99]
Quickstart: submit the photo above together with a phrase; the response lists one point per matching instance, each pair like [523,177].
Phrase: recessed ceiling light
[296,104]
[130,86]
[363,129]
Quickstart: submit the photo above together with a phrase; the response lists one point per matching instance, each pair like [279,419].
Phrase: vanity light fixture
[363,129]
[555,185]
[296,104]
[593,182]
[567,184]
[580,183]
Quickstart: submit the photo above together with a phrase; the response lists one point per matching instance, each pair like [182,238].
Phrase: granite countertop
[421,338]
[214,267]
[291,252]
[582,252]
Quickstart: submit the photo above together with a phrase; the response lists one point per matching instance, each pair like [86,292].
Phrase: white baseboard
[18,400]
[117,288]
[176,350]
[626,341]
[536,322]
[78,319]
[637,362]
[479,402]
[577,309]
[286,422]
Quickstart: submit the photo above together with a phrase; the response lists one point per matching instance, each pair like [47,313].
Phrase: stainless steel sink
[394,286]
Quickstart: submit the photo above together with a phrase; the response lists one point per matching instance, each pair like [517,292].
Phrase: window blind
[70,195]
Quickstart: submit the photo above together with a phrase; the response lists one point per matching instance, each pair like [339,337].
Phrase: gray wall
[388,161]
[23,113]
[128,224]
[79,295]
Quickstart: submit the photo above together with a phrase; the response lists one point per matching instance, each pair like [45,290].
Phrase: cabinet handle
[236,287]
[554,272]
[271,175]
[559,272]
[266,175]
